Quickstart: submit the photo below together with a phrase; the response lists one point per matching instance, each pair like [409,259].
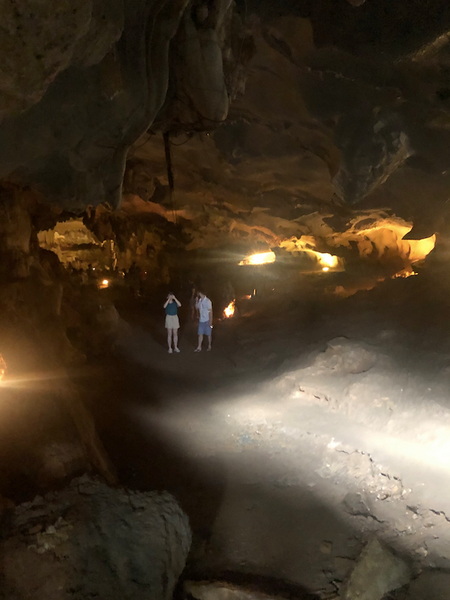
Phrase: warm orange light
[229,311]
[2,367]
[104,284]
[327,260]
[404,274]
[306,244]
[383,238]
[419,249]
[262,258]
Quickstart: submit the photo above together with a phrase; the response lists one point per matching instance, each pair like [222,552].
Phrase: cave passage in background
[261,258]
[230,310]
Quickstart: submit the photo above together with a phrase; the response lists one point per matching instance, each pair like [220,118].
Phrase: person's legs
[169,339]
[175,340]
[200,342]
[209,342]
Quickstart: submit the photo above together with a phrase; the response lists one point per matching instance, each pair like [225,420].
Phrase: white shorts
[172,322]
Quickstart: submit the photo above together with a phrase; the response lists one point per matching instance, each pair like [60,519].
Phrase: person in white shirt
[204,308]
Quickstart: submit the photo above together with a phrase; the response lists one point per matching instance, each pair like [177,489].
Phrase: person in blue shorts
[205,311]
[171,307]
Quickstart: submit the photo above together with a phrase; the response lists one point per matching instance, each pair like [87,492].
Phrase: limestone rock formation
[369,160]
[41,40]
[91,540]
[322,99]
[382,87]
[433,584]
[268,164]
[318,127]
[220,590]
[199,90]
[377,572]
[104,68]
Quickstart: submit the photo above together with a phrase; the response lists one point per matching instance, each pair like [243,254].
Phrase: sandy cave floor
[313,425]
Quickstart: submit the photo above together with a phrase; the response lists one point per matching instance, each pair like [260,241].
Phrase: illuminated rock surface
[377,572]
[203,590]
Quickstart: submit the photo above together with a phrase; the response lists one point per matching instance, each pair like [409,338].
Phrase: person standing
[171,307]
[204,307]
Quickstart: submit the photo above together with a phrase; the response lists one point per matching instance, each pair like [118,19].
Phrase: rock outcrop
[377,572]
[320,127]
[41,40]
[91,540]
[104,68]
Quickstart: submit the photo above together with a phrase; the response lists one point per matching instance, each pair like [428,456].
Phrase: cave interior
[225,300]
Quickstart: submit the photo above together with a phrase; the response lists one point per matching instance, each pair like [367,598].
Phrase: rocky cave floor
[315,425]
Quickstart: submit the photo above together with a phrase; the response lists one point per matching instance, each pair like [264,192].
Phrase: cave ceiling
[283,119]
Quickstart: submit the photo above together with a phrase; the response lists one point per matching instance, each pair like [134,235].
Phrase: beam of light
[230,309]
[261,258]
[244,413]
[2,367]
[33,380]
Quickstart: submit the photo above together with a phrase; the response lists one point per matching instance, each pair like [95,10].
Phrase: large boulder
[90,540]
[377,572]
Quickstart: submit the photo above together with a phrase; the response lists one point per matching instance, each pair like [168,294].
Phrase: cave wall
[325,97]
[48,327]
[102,87]
[306,103]
[249,180]
[335,117]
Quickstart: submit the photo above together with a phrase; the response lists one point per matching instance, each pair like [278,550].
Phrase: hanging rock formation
[104,93]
